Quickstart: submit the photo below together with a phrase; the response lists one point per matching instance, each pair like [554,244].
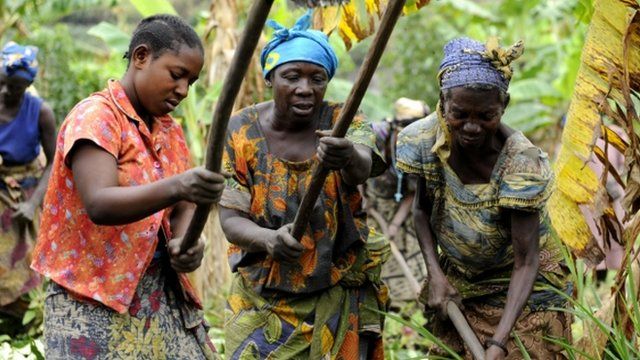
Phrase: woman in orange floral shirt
[120,197]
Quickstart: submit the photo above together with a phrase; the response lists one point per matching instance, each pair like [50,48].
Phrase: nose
[471,127]
[182,89]
[304,88]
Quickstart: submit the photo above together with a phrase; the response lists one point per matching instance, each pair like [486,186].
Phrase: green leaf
[470,7]
[116,39]
[532,89]
[153,7]
[28,317]
[527,117]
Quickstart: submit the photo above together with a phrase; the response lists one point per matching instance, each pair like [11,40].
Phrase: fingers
[188,261]
[323,133]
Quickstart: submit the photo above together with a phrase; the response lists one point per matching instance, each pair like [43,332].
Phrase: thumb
[174,246]
[323,133]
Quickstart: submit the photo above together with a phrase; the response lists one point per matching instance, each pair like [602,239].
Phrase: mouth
[172,104]
[303,108]
[471,140]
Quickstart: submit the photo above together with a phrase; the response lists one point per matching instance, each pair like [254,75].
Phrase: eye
[320,80]
[174,75]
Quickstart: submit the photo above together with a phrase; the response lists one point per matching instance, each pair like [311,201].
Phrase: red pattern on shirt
[105,263]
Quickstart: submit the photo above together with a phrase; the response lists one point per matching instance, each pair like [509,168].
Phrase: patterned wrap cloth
[16,240]
[319,306]
[20,61]
[298,44]
[474,235]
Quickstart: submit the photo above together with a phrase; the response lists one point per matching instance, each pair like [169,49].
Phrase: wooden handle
[8,201]
[389,19]
[466,333]
[230,88]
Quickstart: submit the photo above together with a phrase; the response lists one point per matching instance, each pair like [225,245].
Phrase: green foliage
[65,75]
[152,7]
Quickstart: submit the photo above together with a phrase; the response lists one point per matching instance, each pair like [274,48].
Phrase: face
[298,89]
[473,115]
[162,83]
[12,88]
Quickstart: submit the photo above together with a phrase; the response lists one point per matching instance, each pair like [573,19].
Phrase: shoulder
[523,157]
[247,116]
[46,116]
[421,133]
[526,178]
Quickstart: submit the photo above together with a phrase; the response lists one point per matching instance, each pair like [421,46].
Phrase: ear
[141,55]
[506,100]
[268,83]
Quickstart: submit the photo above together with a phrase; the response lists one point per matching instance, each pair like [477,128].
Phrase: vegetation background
[82,43]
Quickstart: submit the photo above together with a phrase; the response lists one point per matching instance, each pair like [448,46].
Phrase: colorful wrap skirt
[17,184]
[158,325]
[330,324]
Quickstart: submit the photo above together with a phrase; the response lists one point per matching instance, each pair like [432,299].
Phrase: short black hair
[161,33]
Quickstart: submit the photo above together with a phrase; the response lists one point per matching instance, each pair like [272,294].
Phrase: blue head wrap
[298,44]
[467,61]
[20,60]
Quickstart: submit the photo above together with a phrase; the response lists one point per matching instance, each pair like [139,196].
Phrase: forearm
[520,286]
[243,232]
[38,194]
[118,205]
[181,217]
[359,168]
[427,243]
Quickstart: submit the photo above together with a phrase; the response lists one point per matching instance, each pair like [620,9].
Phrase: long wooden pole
[230,88]
[465,331]
[389,19]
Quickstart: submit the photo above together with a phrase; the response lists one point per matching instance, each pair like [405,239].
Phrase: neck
[130,89]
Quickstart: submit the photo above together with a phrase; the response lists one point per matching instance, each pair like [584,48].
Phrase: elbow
[530,263]
[99,215]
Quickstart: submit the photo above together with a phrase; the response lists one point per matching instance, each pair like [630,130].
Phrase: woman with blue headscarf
[480,210]
[26,126]
[313,298]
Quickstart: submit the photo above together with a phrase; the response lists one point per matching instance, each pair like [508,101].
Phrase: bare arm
[47,125]
[440,290]
[250,237]
[353,160]
[525,239]
[95,173]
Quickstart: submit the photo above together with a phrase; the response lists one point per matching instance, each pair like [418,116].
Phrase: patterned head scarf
[20,60]
[467,61]
[298,44]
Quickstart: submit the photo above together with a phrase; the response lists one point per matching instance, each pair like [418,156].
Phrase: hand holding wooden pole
[389,19]
[230,88]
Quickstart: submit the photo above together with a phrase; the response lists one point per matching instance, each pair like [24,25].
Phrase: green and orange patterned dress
[319,306]
[472,228]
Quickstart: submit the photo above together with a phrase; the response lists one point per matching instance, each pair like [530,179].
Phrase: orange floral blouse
[269,191]
[105,263]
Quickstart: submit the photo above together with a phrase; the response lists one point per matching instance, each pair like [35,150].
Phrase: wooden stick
[465,331]
[8,201]
[389,19]
[230,88]
[397,254]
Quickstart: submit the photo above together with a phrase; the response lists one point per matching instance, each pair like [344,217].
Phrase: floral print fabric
[105,263]
[269,190]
